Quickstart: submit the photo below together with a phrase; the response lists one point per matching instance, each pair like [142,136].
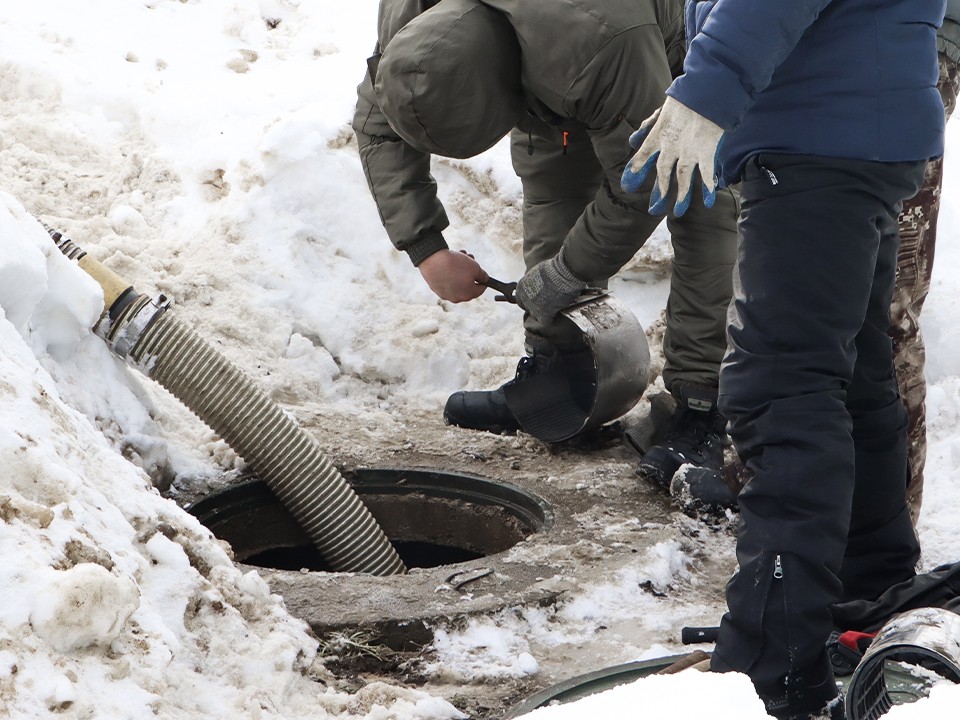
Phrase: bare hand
[454,276]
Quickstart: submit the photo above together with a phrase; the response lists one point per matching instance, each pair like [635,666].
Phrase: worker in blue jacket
[827,112]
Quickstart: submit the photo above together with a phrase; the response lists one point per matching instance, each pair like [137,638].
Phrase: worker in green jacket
[453,77]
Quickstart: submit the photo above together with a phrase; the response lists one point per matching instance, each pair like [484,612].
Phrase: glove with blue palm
[674,137]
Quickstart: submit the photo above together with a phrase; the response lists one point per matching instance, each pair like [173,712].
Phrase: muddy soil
[592,487]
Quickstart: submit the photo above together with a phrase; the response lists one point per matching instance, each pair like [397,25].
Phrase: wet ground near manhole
[605,521]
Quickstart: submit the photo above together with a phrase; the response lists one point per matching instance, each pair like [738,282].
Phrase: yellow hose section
[113,285]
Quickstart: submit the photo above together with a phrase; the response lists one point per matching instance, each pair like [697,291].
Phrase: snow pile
[666,696]
[202,149]
[117,603]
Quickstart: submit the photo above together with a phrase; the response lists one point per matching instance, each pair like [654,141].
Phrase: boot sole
[495,429]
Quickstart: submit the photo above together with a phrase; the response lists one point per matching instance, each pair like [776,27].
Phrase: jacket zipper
[778,575]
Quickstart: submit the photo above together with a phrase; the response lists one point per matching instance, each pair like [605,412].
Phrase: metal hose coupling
[911,652]
[147,334]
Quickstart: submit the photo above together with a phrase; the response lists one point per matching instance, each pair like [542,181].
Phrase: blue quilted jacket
[837,78]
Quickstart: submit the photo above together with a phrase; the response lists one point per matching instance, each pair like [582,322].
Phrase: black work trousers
[809,389]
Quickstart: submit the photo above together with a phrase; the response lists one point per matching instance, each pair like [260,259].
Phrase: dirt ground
[606,519]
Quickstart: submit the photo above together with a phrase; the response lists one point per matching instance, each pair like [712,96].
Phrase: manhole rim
[546,518]
[520,503]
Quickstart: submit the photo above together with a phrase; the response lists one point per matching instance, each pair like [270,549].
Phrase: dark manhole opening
[432,518]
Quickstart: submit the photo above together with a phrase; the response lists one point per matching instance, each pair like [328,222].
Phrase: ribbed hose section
[288,460]
[66,245]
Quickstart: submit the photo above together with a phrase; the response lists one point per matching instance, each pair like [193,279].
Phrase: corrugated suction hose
[284,456]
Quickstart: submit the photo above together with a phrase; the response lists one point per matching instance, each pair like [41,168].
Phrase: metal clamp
[506,290]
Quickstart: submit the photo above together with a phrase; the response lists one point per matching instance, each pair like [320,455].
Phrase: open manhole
[432,518]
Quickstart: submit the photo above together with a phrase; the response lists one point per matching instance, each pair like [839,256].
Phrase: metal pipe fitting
[927,638]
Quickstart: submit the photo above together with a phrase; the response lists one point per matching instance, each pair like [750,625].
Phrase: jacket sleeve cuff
[421,249]
[712,92]
[571,261]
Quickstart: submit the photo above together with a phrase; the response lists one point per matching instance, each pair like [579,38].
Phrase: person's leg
[701,284]
[882,548]
[811,232]
[695,339]
[918,231]
[560,176]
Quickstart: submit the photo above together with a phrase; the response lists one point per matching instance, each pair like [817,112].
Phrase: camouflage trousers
[918,233]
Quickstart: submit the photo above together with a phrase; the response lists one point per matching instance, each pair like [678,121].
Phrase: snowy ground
[203,150]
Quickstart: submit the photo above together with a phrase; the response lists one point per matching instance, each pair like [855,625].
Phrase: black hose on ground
[694,635]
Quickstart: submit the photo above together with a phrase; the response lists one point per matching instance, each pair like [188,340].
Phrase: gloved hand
[677,136]
[548,287]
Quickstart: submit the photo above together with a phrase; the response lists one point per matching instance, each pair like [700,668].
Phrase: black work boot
[833,710]
[487,409]
[480,410]
[820,700]
[702,491]
[696,436]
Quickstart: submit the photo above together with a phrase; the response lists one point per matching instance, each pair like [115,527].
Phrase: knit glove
[674,137]
[548,287]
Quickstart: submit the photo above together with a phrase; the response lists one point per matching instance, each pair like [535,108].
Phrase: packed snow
[202,149]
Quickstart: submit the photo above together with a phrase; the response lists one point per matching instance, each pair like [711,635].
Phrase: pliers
[505,289]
